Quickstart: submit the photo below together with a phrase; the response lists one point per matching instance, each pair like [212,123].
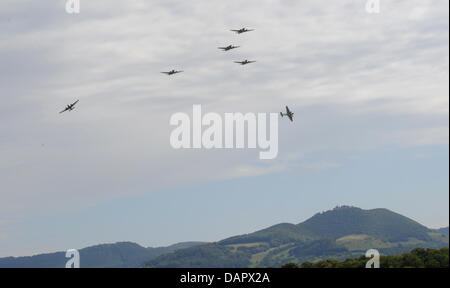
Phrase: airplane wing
[75,103]
[235,30]
[290,117]
[167,73]
[63,110]
[251,62]
[238,62]
[287,110]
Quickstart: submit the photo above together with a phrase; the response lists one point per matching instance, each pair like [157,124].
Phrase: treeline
[208,255]
[417,258]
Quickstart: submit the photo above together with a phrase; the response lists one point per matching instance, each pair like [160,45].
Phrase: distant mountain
[344,232]
[208,255]
[118,255]
[379,223]
[443,231]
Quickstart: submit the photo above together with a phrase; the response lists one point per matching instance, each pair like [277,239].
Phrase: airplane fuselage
[243,30]
[289,114]
[245,62]
[172,72]
[69,107]
[228,48]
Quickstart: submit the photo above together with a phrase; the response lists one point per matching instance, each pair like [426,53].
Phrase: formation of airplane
[288,113]
[243,30]
[70,107]
[245,62]
[226,48]
[229,47]
[172,72]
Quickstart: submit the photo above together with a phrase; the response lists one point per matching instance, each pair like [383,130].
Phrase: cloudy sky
[370,94]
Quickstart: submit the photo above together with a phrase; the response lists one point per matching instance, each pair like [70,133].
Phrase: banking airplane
[172,72]
[245,62]
[228,48]
[70,107]
[243,30]
[288,114]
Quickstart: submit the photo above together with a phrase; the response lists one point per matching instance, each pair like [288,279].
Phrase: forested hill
[344,232]
[341,233]
[118,255]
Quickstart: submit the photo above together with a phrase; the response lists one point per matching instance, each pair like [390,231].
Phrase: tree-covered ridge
[341,233]
[443,231]
[379,223]
[117,255]
[417,258]
[209,255]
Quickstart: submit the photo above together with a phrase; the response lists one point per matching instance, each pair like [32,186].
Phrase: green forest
[417,258]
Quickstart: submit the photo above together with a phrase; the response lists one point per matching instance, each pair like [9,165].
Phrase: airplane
[288,114]
[172,72]
[245,62]
[230,47]
[70,107]
[243,30]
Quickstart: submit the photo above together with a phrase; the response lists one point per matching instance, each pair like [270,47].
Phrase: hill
[118,255]
[379,223]
[443,231]
[341,233]
[344,232]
